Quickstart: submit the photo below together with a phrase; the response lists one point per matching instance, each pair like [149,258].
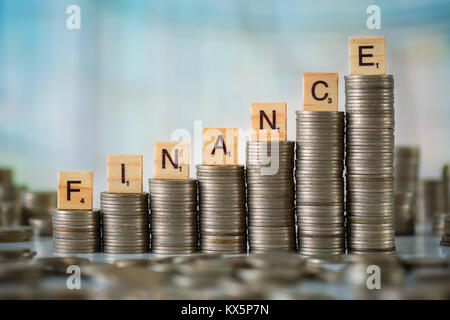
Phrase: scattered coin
[8,255]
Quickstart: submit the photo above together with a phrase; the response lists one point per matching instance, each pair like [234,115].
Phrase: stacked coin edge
[270,196]
[174,216]
[125,222]
[370,125]
[76,231]
[222,209]
[320,183]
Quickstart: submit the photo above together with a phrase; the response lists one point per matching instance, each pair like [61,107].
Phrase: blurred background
[138,70]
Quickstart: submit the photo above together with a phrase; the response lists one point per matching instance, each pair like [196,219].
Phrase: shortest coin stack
[173,205]
[446,237]
[76,231]
[125,222]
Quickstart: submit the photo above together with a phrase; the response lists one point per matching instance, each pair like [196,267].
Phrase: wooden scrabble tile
[320,91]
[75,190]
[124,173]
[220,146]
[367,55]
[268,121]
[171,160]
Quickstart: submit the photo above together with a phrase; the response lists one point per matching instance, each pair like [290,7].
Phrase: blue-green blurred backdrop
[137,70]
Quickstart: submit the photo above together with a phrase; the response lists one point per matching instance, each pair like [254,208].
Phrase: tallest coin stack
[369,104]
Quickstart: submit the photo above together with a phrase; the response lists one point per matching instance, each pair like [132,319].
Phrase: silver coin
[125,218]
[123,195]
[174,182]
[222,225]
[125,250]
[70,250]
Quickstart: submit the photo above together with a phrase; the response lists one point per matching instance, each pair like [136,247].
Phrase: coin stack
[76,231]
[446,187]
[406,166]
[369,105]
[174,225]
[222,209]
[7,192]
[446,237]
[125,222]
[15,234]
[8,213]
[37,204]
[9,207]
[433,197]
[404,221]
[438,223]
[270,196]
[320,183]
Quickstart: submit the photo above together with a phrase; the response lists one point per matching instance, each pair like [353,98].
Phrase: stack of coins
[37,204]
[446,237]
[7,192]
[433,197]
[369,105]
[76,231]
[125,222]
[406,166]
[15,234]
[320,183]
[270,196]
[404,221]
[446,187]
[222,209]
[174,225]
[9,206]
[8,213]
[439,223]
